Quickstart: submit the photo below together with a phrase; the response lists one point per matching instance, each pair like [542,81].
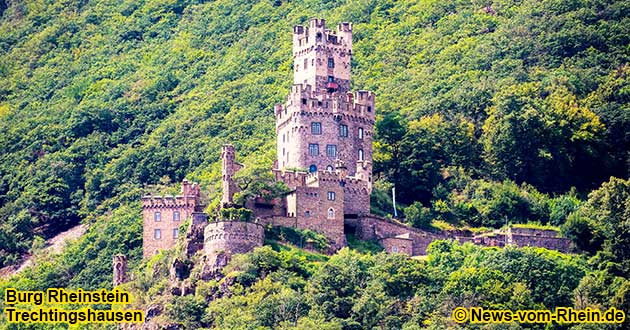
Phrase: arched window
[360,133]
[331,213]
[360,154]
[312,168]
[329,168]
[307,214]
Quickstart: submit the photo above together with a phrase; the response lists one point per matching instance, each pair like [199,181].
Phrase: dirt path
[53,245]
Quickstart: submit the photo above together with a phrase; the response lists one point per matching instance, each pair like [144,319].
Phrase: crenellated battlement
[168,201]
[303,105]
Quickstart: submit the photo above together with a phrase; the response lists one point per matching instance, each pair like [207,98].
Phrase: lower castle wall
[554,243]
[397,245]
[232,237]
[375,228]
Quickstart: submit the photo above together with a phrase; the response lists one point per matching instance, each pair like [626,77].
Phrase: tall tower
[322,121]
[228,168]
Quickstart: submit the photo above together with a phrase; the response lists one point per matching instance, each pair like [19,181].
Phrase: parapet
[232,237]
[189,197]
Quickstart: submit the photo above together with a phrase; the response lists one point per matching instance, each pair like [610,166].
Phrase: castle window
[305,63]
[318,36]
[283,138]
[175,233]
[313,149]
[312,168]
[283,152]
[361,133]
[316,128]
[395,249]
[331,79]
[331,63]
[157,216]
[329,168]
[369,109]
[176,216]
[307,214]
[331,195]
[360,154]
[343,130]
[331,150]
[157,234]
[331,213]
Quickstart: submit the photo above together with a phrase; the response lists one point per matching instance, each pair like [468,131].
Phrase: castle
[324,156]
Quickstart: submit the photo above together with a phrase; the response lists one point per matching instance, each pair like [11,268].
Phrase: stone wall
[553,243]
[397,245]
[372,227]
[356,196]
[232,237]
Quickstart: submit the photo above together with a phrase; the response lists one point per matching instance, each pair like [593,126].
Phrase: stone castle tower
[228,168]
[322,122]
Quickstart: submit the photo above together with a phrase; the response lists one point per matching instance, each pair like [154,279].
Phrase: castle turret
[119,265]
[321,57]
[228,169]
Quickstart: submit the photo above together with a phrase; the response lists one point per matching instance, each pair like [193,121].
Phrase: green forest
[488,113]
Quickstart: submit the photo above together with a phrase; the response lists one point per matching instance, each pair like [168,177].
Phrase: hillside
[487,113]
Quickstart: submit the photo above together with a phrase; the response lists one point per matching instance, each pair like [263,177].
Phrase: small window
[304,101]
[307,214]
[157,234]
[316,128]
[175,233]
[395,249]
[157,216]
[283,138]
[331,195]
[360,154]
[331,79]
[331,213]
[343,130]
[283,152]
[369,109]
[331,150]
[176,216]
[312,168]
[331,63]
[329,168]
[360,133]
[313,149]
[305,63]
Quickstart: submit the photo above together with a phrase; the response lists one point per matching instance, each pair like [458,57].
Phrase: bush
[236,214]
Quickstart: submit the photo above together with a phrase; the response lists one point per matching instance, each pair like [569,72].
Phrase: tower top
[322,56]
